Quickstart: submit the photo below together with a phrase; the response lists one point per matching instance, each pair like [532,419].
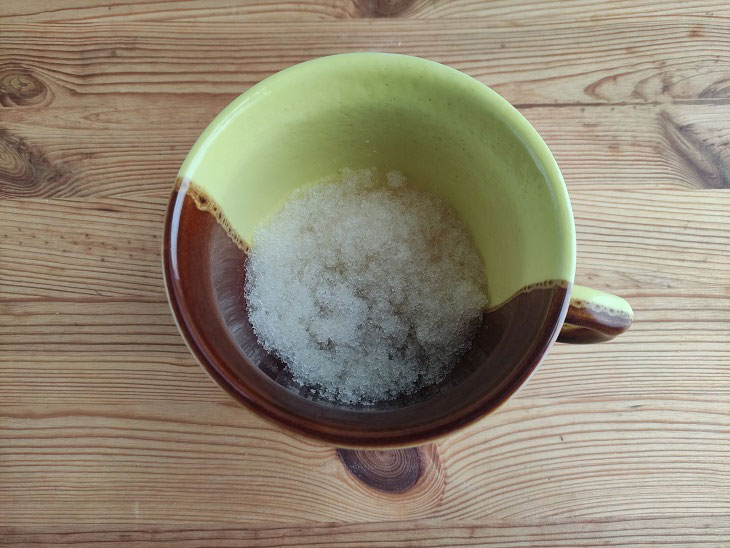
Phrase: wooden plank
[707,531]
[69,250]
[605,61]
[134,151]
[16,11]
[542,459]
[81,248]
[120,352]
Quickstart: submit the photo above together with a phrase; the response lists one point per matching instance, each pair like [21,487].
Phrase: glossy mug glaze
[446,132]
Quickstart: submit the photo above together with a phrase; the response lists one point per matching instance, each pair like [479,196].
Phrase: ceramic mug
[446,132]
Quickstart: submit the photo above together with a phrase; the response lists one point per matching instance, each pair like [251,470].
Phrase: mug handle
[594,316]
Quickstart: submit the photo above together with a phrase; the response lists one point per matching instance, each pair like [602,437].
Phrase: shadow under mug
[446,132]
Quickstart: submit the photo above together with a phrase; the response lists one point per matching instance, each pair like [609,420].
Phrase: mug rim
[533,143]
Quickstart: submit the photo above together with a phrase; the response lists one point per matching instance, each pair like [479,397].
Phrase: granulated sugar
[366,290]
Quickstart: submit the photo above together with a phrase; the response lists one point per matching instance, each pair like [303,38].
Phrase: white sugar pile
[367,290]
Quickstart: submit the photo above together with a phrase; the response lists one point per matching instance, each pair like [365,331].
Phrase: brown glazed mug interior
[204,266]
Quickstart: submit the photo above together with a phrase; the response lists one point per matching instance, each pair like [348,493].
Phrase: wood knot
[709,165]
[719,89]
[19,87]
[25,172]
[393,471]
[382,8]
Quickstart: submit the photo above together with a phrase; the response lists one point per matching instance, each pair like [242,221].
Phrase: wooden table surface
[110,431]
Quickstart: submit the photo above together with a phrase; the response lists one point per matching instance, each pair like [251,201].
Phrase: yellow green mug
[446,132]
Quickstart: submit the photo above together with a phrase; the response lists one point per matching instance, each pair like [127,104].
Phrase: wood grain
[111,433]
[110,248]
[96,152]
[75,352]
[216,463]
[544,62]
[84,108]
